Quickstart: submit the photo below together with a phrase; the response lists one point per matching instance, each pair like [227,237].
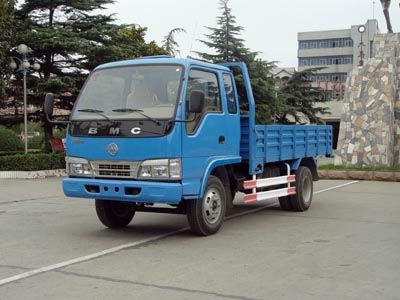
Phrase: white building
[337,52]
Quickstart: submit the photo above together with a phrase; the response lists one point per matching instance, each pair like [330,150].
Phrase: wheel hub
[212,207]
[306,188]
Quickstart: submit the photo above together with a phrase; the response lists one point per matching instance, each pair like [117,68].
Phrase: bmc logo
[114,131]
[136,130]
[92,130]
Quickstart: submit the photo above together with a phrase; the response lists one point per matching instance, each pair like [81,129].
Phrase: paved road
[345,247]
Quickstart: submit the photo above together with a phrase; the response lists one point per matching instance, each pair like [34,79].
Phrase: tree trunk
[47,126]
[388,23]
[386,6]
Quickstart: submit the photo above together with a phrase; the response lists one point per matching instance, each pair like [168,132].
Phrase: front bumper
[123,190]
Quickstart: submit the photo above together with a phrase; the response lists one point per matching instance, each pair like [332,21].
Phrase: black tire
[285,203]
[206,215]
[301,201]
[115,214]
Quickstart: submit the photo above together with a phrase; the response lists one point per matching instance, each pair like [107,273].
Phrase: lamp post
[361,30]
[23,66]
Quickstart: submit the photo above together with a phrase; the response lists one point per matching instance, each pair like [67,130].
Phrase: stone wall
[370,128]
[396,129]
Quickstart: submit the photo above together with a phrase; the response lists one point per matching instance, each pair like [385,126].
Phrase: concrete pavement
[345,247]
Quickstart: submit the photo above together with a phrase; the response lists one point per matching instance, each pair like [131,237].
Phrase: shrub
[32,162]
[36,142]
[60,133]
[9,141]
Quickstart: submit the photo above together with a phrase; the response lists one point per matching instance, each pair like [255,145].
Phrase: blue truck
[162,134]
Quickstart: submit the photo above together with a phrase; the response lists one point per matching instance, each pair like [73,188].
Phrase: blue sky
[269,26]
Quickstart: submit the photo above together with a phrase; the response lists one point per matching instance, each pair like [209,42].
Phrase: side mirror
[196,102]
[48,104]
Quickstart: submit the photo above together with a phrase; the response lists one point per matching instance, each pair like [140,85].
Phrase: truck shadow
[146,225]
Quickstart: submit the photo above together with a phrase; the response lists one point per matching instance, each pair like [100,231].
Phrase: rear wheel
[301,201]
[115,214]
[206,215]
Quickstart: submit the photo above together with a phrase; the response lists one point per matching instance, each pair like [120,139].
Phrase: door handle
[221,139]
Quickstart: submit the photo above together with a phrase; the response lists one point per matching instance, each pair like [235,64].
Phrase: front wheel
[206,215]
[115,214]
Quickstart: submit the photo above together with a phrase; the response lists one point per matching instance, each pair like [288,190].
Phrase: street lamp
[361,30]
[23,66]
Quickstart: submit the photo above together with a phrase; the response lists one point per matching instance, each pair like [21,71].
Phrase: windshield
[133,92]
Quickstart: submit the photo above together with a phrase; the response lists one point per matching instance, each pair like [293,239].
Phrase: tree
[69,38]
[58,32]
[263,87]
[297,99]
[225,39]
[272,105]
[169,44]
[6,37]
[124,42]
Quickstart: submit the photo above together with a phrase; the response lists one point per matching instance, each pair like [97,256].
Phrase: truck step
[267,182]
[269,194]
[271,181]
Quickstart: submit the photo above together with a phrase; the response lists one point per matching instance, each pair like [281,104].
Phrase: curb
[360,175]
[32,174]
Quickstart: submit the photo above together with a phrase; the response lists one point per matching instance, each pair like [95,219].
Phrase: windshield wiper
[140,111]
[96,111]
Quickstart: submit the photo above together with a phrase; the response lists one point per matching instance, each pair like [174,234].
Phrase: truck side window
[230,94]
[206,82]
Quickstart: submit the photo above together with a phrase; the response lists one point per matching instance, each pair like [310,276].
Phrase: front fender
[213,163]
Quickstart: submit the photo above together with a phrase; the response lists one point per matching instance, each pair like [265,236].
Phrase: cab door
[208,134]
[213,134]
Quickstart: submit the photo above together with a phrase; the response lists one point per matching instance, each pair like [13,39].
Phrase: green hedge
[9,141]
[4,153]
[31,151]
[32,162]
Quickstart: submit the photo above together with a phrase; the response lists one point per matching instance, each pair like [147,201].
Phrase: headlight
[160,169]
[78,167]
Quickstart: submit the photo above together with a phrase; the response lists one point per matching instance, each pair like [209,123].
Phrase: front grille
[115,169]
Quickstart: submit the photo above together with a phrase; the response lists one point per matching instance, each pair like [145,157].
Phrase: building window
[332,77]
[326,60]
[326,43]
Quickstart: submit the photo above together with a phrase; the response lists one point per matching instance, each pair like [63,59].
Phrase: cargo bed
[273,143]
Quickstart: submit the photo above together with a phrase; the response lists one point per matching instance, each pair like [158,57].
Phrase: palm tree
[385,6]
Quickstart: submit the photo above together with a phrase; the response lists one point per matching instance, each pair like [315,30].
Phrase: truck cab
[162,130]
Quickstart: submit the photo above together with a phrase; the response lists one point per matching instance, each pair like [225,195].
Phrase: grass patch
[344,168]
